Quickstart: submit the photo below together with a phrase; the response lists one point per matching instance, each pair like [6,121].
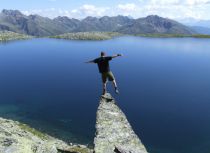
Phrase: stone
[114,133]
[16,137]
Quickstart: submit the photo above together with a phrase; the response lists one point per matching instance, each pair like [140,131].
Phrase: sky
[174,9]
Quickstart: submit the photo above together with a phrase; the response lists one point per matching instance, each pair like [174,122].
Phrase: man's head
[103,54]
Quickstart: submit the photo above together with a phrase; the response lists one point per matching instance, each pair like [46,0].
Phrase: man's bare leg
[104,88]
[115,86]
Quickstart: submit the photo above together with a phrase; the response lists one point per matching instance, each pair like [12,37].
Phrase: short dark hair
[103,53]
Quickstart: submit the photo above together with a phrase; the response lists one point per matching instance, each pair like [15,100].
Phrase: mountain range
[201,29]
[35,25]
[198,25]
[195,22]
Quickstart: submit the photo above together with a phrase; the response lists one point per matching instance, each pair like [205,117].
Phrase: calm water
[164,85]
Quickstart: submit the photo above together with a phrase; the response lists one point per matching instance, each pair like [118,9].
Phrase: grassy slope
[7,36]
[110,35]
[87,36]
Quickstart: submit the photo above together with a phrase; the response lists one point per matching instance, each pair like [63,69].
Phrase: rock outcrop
[16,137]
[114,134]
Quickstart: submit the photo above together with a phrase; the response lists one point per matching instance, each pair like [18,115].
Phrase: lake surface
[164,88]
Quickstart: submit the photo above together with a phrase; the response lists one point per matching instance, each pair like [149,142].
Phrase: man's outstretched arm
[117,55]
[92,61]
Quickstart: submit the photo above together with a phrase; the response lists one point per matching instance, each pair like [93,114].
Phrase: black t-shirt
[103,63]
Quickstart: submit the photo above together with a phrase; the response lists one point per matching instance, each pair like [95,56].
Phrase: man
[104,69]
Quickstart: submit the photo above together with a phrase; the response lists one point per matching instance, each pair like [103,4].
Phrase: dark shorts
[107,75]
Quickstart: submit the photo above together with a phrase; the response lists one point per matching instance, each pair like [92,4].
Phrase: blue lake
[164,88]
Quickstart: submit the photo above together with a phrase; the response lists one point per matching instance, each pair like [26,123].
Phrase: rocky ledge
[16,137]
[114,134]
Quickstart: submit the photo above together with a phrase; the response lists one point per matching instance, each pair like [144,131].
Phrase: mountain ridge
[201,30]
[36,25]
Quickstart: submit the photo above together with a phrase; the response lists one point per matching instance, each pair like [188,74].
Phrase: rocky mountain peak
[153,17]
[90,18]
[12,12]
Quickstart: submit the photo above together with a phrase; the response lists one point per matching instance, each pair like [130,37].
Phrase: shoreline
[7,36]
[113,134]
[23,138]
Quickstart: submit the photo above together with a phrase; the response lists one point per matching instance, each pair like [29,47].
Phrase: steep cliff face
[20,138]
[114,134]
